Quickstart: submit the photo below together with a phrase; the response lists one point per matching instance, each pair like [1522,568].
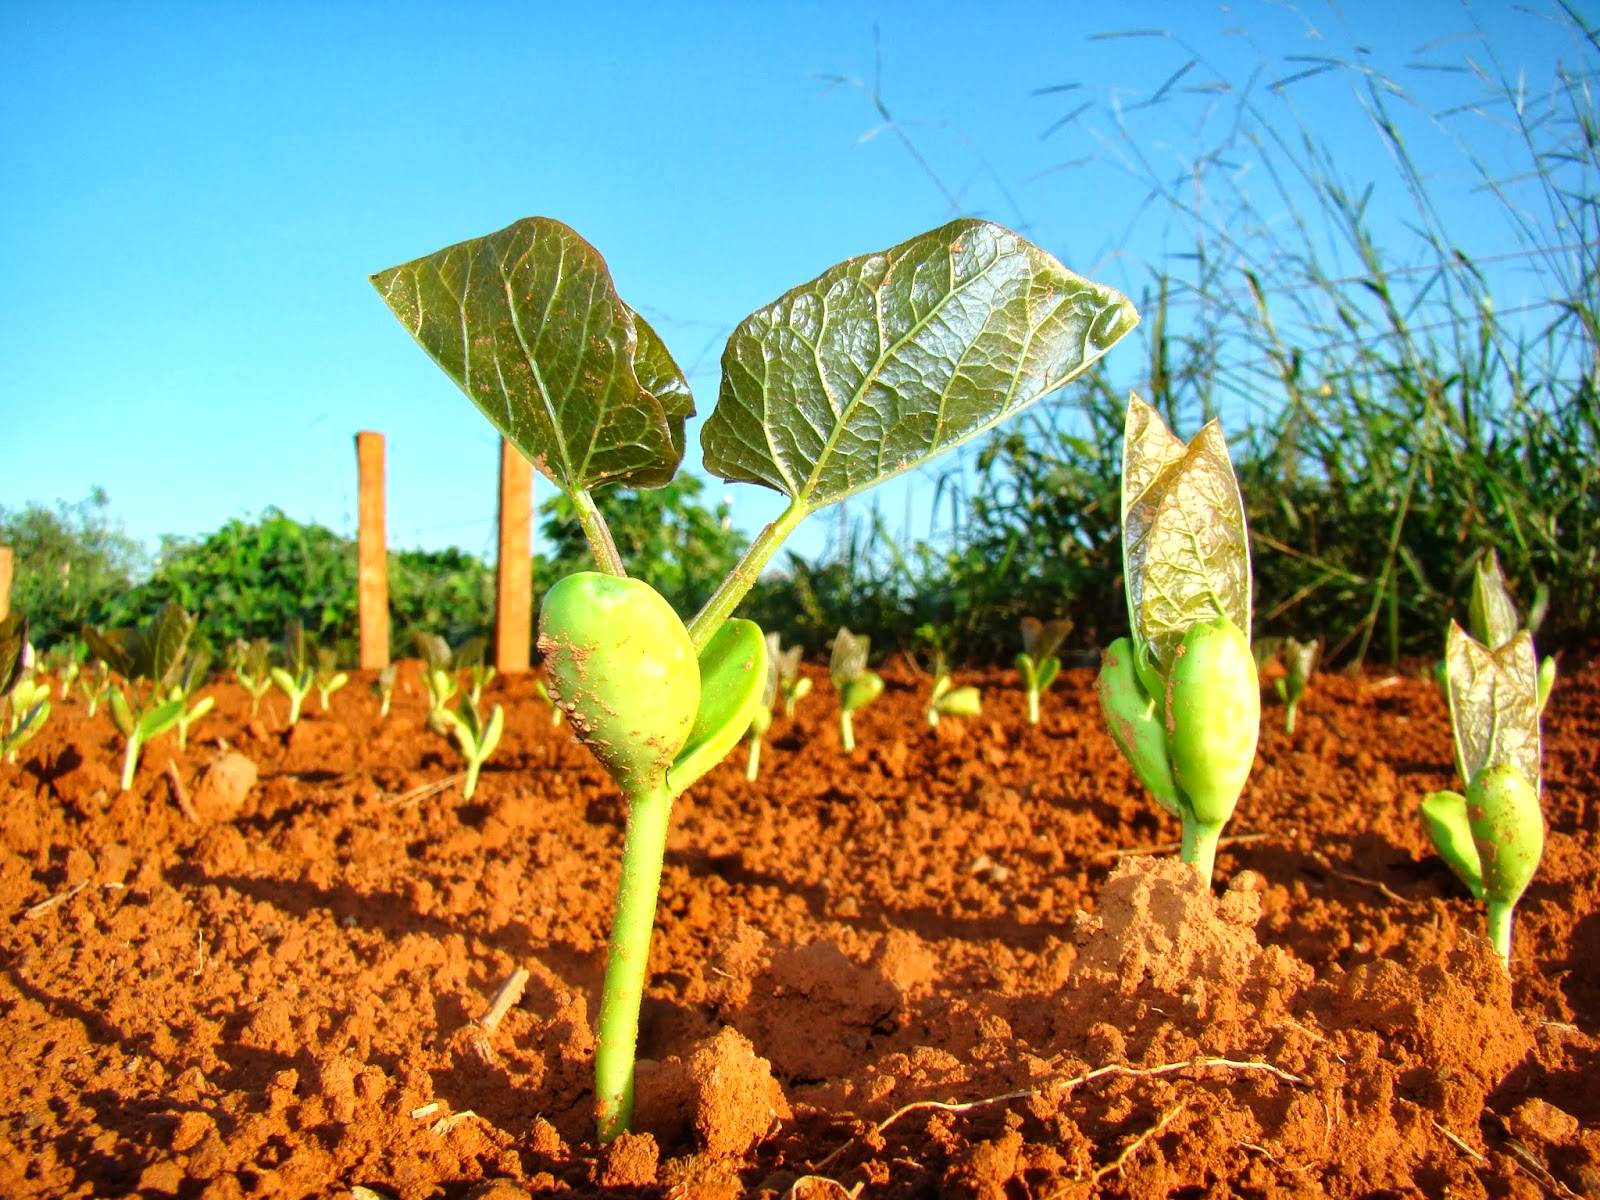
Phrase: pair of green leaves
[623,668]
[857,686]
[872,368]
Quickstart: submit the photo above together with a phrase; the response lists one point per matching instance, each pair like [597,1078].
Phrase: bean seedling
[62,662]
[857,686]
[761,719]
[1180,694]
[438,680]
[1492,837]
[94,684]
[383,688]
[1038,664]
[873,368]
[475,737]
[328,678]
[469,658]
[297,676]
[792,686]
[191,678]
[252,667]
[148,660]
[1299,660]
[24,703]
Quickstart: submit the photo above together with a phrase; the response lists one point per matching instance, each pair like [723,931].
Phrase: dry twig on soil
[1132,1147]
[181,794]
[505,999]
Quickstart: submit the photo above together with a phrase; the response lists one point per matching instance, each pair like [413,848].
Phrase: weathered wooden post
[5,581]
[372,555]
[513,607]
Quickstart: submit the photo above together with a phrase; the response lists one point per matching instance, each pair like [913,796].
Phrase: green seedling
[1493,836]
[62,661]
[948,700]
[792,686]
[252,667]
[871,369]
[469,659]
[297,676]
[1038,664]
[328,679]
[1299,661]
[475,737]
[149,661]
[24,702]
[383,688]
[438,680]
[1181,695]
[191,678]
[761,719]
[856,685]
[95,683]
[543,692]
[1493,621]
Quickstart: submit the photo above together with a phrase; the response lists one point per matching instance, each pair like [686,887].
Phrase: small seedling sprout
[438,680]
[1493,836]
[1493,622]
[1038,664]
[63,662]
[252,667]
[149,661]
[857,686]
[24,702]
[1299,660]
[873,368]
[191,678]
[1180,695]
[475,737]
[328,678]
[383,688]
[469,658]
[761,719]
[95,683]
[297,676]
[792,686]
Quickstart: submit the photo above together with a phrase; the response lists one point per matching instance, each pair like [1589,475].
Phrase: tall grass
[1406,356]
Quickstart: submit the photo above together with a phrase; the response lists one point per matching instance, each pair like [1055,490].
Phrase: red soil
[281,995]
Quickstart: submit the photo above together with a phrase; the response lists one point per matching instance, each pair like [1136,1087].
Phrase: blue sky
[196,193]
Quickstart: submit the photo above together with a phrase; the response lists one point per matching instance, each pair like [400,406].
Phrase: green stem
[597,533]
[752,768]
[628,960]
[472,778]
[1500,929]
[847,731]
[1033,706]
[743,577]
[130,759]
[1288,715]
[296,699]
[1200,845]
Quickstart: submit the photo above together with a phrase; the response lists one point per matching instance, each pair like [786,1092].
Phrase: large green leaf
[733,672]
[528,323]
[1494,704]
[161,645]
[1186,554]
[884,361]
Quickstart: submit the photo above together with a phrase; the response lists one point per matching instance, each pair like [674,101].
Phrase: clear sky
[194,195]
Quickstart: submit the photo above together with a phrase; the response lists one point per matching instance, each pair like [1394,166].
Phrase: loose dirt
[962,963]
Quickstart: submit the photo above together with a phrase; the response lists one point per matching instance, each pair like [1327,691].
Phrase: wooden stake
[513,624]
[372,555]
[5,581]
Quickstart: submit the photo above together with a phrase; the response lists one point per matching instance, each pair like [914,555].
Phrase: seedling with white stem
[191,678]
[1180,694]
[792,686]
[475,737]
[297,676]
[1299,660]
[95,683]
[438,680]
[148,660]
[252,667]
[328,678]
[62,661]
[24,702]
[1038,664]
[383,688]
[761,719]
[871,369]
[469,658]
[856,684]
[1493,836]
